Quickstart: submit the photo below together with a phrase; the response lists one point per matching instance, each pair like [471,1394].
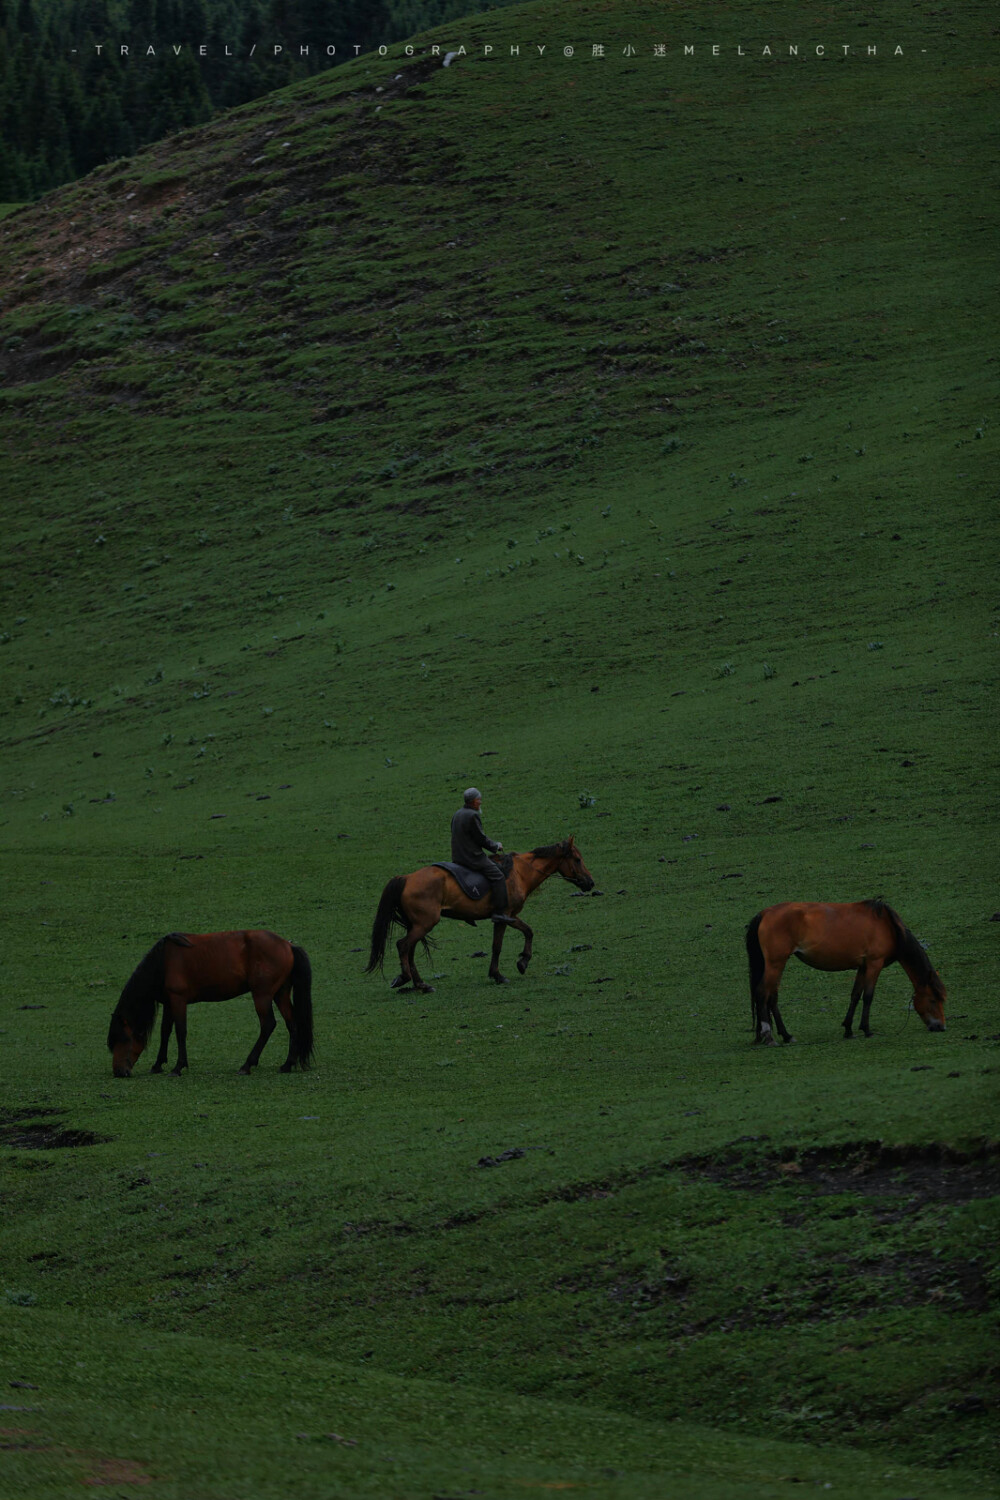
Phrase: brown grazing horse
[183,968]
[418,901]
[862,935]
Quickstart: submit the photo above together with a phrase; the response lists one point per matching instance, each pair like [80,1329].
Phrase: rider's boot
[499,895]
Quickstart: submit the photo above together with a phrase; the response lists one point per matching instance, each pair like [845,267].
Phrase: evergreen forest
[66,107]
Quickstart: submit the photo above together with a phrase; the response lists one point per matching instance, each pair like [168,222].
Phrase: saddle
[473,883]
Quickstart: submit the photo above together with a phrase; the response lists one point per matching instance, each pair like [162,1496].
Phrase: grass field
[616,434]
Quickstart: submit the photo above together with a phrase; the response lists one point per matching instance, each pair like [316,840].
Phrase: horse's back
[250,939]
[828,934]
[790,912]
[430,880]
[221,965]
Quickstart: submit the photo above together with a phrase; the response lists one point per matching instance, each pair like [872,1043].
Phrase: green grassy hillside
[615,433]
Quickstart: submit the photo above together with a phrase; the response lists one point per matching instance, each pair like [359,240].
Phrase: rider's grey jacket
[468,840]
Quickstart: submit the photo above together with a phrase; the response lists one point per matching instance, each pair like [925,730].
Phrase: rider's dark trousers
[498,883]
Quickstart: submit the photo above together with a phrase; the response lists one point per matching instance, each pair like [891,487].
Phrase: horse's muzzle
[935,1026]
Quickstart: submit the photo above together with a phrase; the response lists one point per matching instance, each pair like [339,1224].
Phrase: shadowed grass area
[612,433]
[216,1415]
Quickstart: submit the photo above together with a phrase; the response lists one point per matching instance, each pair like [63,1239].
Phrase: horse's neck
[532,871]
[913,974]
[919,982]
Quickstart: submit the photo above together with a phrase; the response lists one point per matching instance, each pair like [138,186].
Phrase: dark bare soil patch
[854,1287]
[870,1168]
[28,1112]
[37,1129]
[958,1285]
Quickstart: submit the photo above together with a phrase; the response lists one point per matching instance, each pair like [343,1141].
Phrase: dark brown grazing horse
[862,935]
[183,968]
[417,902]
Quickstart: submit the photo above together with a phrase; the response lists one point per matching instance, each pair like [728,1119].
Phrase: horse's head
[571,866]
[124,1045]
[928,1002]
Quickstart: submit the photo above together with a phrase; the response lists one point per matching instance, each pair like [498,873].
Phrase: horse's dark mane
[142,994]
[909,949]
[552,851]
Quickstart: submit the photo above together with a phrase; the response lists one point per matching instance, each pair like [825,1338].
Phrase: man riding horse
[417,902]
[468,842]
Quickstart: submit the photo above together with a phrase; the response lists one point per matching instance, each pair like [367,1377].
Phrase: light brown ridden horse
[862,935]
[184,968]
[418,902]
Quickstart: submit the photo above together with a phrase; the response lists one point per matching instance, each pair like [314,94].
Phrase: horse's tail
[302,1006]
[390,912]
[755,954]
[142,994]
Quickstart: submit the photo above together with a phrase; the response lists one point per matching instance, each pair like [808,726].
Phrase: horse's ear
[569,842]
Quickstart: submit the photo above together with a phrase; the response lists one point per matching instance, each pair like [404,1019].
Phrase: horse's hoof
[522,965]
[286,1067]
[787,1040]
[246,1071]
[499,979]
[156,1068]
[399,983]
[426,989]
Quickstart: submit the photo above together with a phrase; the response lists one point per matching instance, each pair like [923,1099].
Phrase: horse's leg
[179,1008]
[166,1027]
[265,1014]
[412,939]
[284,1003]
[525,958]
[767,1000]
[405,976]
[499,928]
[421,909]
[498,935]
[786,1035]
[848,1022]
[874,970]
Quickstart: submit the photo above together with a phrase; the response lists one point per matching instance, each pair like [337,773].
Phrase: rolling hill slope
[615,433]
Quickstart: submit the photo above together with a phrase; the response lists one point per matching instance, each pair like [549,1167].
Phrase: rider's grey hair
[471,795]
